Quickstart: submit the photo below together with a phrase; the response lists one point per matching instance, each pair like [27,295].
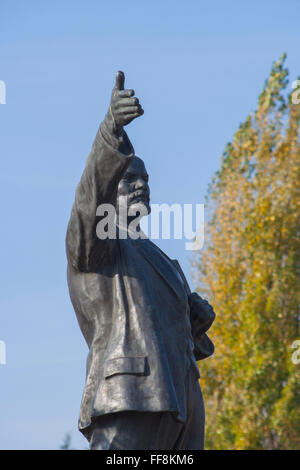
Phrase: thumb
[120,80]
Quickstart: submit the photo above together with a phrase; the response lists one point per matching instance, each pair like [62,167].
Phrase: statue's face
[133,189]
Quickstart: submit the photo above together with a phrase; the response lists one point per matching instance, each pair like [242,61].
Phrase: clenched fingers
[131,116]
[124,93]
[129,102]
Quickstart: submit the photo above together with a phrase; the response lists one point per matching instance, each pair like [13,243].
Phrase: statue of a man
[144,328]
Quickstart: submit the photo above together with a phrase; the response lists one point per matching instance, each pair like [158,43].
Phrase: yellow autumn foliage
[249,270]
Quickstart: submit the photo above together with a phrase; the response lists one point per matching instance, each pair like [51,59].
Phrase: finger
[132,108]
[129,110]
[125,93]
[138,111]
[129,102]
[120,80]
[131,116]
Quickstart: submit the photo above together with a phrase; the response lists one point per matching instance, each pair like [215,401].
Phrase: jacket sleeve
[109,158]
[201,318]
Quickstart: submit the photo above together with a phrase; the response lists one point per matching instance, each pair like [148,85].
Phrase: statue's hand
[123,107]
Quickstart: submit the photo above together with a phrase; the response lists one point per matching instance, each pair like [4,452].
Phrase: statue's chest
[149,268]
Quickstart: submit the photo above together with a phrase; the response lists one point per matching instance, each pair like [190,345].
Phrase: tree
[250,271]
[66,445]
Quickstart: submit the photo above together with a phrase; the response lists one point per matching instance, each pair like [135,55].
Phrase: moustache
[140,195]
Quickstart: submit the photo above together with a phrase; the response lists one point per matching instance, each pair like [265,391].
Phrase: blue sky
[197,68]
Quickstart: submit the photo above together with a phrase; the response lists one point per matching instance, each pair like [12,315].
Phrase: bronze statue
[144,328]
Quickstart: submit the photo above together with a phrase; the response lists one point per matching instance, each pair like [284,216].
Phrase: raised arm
[109,158]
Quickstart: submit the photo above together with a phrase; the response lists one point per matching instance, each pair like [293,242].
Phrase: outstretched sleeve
[105,166]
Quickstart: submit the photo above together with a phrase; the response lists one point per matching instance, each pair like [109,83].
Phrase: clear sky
[197,67]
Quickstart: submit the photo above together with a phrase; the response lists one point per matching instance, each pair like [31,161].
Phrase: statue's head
[133,190]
